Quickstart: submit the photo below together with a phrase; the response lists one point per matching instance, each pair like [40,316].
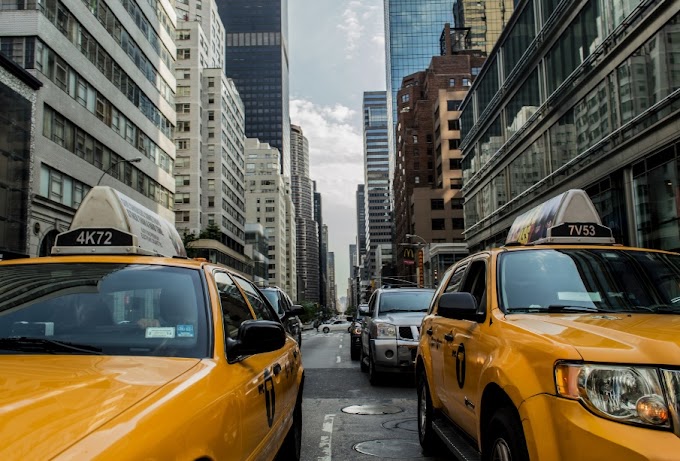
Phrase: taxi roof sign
[569,217]
[109,222]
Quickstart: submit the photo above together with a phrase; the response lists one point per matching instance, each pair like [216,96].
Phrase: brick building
[428,177]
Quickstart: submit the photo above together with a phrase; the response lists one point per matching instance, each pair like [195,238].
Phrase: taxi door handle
[429,331]
[448,337]
[276,369]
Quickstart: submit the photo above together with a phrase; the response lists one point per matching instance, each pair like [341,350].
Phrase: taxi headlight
[620,393]
[385,330]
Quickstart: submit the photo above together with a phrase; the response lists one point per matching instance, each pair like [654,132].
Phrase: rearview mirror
[459,306]
[256,337]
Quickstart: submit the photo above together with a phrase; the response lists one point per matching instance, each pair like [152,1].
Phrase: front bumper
[394,355]
[561,429]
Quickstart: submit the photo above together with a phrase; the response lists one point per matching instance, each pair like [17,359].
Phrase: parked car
[286,310]
[355,333]
[391,330]
[336,325]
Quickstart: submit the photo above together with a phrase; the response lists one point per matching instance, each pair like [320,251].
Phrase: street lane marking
[326,438]
[338,359]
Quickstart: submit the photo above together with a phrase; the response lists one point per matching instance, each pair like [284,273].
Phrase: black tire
[292,444]
[362,358]
[505,438]
[326,329]
[354,353]
[373,376]
[429,441]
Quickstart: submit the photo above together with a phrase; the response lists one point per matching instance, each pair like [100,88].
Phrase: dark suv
[287,311]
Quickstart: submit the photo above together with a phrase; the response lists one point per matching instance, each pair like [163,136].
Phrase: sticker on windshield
[185,331]
[160,332]
[582,296]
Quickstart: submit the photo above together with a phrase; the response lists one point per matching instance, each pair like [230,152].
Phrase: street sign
[421,269]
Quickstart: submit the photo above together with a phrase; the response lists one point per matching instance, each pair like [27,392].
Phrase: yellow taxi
[118,347]
[561,345]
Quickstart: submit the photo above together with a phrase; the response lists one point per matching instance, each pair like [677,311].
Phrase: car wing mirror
[297,309]
[256,337]
[363,310]
[459,306]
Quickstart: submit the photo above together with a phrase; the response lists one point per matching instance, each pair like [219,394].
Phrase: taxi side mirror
[459,306]
[297,309]
[256,337]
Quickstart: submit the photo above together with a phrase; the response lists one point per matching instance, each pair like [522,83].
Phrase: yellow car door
[258,397]
[464,357]
[278,388]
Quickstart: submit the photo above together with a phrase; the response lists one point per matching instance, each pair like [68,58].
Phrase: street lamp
[132,160]
[408,236]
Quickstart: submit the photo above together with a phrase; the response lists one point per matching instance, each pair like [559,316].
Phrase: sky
[336,53]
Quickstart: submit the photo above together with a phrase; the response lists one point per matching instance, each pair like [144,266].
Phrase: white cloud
[336,164]
[355,19]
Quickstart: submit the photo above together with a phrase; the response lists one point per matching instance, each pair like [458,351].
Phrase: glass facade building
[578,95]
[378,208]
[257,60]
[412,33]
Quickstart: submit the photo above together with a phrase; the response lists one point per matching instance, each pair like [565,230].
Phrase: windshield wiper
[663,309]
[557,308]
[52,346]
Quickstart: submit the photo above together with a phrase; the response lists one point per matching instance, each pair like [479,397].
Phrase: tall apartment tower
[268,202]
[332,288]
[209,172]
[361,223]
[411,39]
[257,60]
[377,196]
[483,21]
[323,246]
[106,106]
[305,225]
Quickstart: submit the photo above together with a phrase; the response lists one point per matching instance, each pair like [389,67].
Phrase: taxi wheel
[326,329]
[426,436]
[290,450]
[505,440]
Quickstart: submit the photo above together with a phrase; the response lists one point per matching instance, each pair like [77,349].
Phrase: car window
[261,308]
[120,309]
[234,307]
[456,278]
[475,283]
[405,301]
[611,279]
[274,300]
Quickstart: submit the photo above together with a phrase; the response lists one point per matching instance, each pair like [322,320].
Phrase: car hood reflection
[611,337]
[48,403]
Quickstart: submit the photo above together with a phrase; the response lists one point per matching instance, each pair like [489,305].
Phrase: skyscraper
[377,182]
[257,60]
[307,232]
[412,33]
[209,172]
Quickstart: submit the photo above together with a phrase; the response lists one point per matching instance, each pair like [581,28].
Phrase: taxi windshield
[582,280]
[109,309]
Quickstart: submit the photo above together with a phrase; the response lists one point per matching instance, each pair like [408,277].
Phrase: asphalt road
[334,388]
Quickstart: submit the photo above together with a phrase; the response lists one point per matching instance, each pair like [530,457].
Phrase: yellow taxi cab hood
[611,337]
[48,403]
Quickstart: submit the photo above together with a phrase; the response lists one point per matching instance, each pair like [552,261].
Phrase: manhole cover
[408,424]
[390,448]
[372,409]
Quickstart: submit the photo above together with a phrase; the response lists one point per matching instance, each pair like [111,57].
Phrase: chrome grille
[672,384]
[409,332]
